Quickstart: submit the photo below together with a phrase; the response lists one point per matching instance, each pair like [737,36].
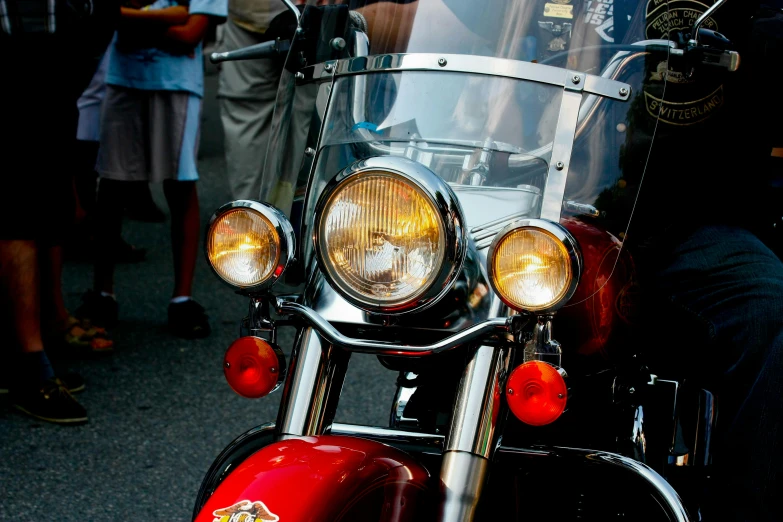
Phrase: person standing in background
[81,245]
[247,91]
[50,50]
[149,131]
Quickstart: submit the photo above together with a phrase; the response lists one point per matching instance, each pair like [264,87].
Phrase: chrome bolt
[559,165]
[576,79]
[273,370]
[228,364]
[510,391]
[623,92]
[299,76]
[338,44]
[309,151]
[560,395]
[442,62]
[632,390]
[328,67]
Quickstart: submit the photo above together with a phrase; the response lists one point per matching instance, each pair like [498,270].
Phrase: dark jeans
[724,291]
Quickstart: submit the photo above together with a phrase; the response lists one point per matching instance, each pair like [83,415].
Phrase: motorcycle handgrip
[270,49]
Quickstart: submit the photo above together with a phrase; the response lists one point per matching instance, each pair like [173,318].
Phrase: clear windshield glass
[476,132]
[491,135]
[526,30]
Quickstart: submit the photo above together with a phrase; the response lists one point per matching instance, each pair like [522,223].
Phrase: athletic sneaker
[51,403]
[188,320]
[101,310]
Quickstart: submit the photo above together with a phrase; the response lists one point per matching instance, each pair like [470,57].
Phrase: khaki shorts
[149,135]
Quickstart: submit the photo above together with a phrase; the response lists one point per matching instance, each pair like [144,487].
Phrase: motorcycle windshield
[527,108]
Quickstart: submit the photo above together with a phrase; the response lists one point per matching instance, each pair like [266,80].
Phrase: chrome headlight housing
[249,244]
[389,234]
[534,265]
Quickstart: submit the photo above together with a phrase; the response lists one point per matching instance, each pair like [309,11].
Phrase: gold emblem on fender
[684,113]
[245,511]
[558,10]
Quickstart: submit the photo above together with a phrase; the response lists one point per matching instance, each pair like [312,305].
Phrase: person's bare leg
[19,280]
[182,198]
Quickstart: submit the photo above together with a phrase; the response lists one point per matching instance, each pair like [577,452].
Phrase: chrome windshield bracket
[469,64]
[552,204]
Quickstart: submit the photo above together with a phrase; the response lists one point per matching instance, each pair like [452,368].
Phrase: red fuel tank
[314,479]
[598,319]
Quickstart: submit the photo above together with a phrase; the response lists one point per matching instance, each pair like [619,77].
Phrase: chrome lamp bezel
[560,233]
[449,211]
[285,234]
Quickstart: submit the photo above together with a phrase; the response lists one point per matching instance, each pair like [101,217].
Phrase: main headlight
[534,265]
[389,235]
[249,244]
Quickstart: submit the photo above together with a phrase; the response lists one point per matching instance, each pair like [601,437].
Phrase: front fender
[320,479]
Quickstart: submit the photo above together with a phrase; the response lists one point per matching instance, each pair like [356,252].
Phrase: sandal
[81,334]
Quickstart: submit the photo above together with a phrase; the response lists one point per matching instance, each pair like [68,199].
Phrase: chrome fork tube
[469,440]
[312,389]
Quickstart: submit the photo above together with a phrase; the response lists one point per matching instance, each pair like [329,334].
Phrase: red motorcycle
[446,181]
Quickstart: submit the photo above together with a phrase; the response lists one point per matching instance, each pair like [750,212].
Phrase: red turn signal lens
[536,393]
[253,367]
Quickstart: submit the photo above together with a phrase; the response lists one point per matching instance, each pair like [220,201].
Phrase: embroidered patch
[245,511]
[684,113]
[666,16]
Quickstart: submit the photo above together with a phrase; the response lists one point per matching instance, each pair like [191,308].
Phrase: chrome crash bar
[666,496]
[477,332]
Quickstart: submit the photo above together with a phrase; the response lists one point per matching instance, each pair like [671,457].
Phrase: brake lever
[712,49]
[264,50]
[707,47]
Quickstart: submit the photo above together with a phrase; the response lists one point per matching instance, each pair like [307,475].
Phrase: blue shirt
[153,69]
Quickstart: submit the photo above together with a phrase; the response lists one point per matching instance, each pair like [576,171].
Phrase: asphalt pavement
[159,407]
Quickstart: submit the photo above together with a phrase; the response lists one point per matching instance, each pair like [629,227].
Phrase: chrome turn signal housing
[249,244]
[534,265]
[389,235]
